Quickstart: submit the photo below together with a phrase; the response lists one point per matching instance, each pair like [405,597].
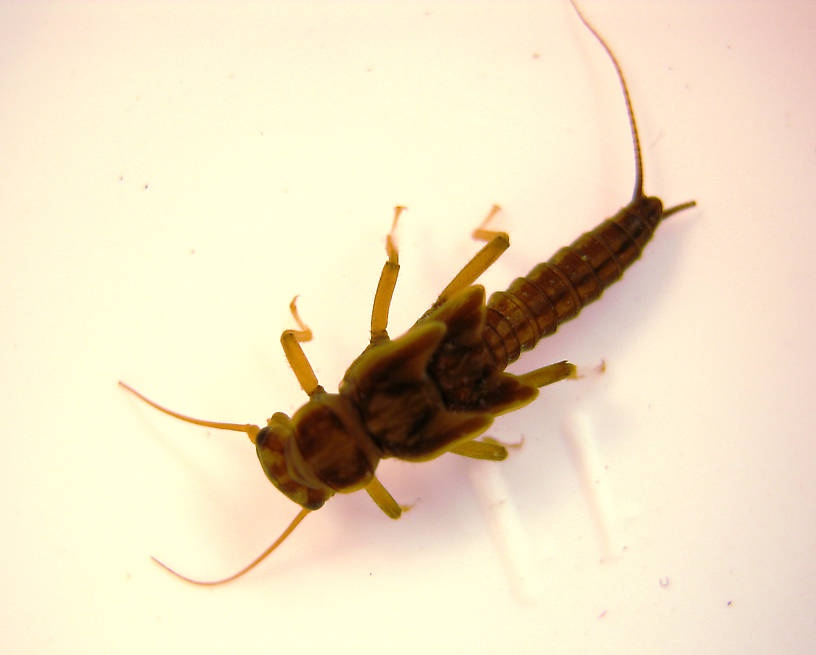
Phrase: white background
[171,174]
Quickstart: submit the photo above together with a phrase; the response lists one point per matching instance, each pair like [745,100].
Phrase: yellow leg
[481,450]
[545,375]
[497,243]
[385,287]
[504,444]
[291,340]
[385,501]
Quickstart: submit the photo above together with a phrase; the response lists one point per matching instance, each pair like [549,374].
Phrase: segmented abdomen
[555,291]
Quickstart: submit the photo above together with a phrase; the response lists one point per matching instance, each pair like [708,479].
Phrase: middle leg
[385,287]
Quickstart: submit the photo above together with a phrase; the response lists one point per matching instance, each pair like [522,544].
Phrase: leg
[545,375]
[291,340]
[491,449]
[385,287]
[497,243]
[481,450]
[385,501]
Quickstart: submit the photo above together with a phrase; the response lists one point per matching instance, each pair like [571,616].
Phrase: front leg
[291,340]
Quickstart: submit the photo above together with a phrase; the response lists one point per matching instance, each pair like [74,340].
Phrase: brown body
[443,382]
[439,386]
[413,398]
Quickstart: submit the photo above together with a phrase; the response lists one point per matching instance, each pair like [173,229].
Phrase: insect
[438,387]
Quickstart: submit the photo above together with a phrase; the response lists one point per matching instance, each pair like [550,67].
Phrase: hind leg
[497,243]
[545,375]
[490,450]
[493,450]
